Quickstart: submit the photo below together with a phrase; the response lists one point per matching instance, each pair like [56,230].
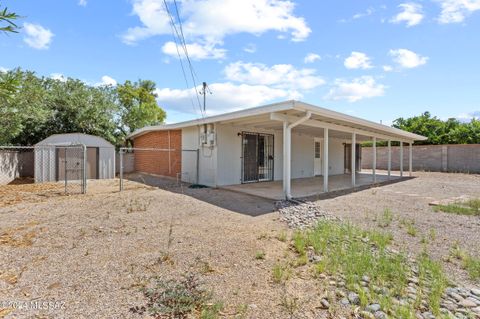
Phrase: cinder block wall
[436,158]
[159,162]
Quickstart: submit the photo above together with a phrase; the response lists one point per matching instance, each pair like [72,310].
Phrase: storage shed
[49,154]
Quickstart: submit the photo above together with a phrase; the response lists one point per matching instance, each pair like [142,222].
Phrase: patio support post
[401,159]
[374,164]
[410,149]
[325,160]
[287,153]
[389,158]
[353,168]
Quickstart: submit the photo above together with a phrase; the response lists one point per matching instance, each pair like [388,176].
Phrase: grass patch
[469,263]
[470,207]
[282,236]
[409,224]
[280,273]
[353,254]
[386,218]
[260,255]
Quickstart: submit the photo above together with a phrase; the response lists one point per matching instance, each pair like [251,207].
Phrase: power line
[184,46]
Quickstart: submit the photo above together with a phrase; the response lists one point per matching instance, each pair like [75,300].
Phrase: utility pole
[204,92]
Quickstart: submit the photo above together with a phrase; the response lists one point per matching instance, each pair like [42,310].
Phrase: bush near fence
[435,158]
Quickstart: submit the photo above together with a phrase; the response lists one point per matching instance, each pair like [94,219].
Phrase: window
[317,149]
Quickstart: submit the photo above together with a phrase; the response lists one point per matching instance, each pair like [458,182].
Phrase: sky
[379,60]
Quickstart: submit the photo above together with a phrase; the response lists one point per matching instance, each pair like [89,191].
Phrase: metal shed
[100,162]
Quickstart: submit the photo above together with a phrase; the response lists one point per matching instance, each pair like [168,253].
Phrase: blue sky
[378,60]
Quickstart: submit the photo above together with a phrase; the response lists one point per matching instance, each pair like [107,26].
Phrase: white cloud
[2,69]
[411,14]
[250,48]
[387,68]
[467,117]
[355,90]
[208,22]
[455,11]
[407,59]
[357,60]
[226,97]
[107,81]
[284,76]
[82,3]
[367,13]
[311,57]
[37,36]
[58,77]
[196,51]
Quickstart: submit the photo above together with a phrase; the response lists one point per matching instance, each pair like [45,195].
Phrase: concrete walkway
[308,186]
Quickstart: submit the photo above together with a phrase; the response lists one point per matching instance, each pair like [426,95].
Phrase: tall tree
[7,19]
[138,106]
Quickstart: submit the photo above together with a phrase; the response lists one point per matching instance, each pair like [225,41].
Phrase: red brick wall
[158,162]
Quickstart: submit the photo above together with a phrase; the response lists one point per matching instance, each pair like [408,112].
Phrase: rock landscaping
[384,283]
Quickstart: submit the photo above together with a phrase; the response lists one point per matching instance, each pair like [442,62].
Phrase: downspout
[287,144]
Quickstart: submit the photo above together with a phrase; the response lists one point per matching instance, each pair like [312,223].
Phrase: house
[53,161]
[282,150]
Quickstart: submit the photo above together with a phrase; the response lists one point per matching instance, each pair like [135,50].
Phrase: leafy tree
[451,131]
[138,106]
[7,19]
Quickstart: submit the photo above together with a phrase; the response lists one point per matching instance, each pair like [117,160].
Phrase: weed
[431,275]
[301,260]
[470,207]
[280,273]
[174,298]
[289,304]
[410,226]
[137,205]
[386,218]
[211,311]
[241,311]
[204,267]
[472,265]
[432,234]
[299,242]
[260,255]
[282,236]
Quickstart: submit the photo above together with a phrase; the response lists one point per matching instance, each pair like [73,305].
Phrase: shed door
[92,162]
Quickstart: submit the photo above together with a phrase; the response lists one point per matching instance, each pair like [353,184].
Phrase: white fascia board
[265,109]
[301,106]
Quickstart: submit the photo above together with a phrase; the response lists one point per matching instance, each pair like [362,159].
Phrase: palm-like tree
[7,19]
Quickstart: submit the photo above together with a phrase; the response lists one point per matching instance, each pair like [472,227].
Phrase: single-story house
[53,159]
[268,149]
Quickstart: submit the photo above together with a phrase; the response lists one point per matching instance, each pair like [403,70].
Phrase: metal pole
[121,169]
[410,159]
[325,160]
[84,149]
[401,159]
[389,158]
[65,170]
[353,168]
[374,164]
[198,167]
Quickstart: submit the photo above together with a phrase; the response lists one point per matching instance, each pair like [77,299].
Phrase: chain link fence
[42,169]
[160,167]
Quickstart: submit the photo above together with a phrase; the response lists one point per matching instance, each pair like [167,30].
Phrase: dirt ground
[92,253]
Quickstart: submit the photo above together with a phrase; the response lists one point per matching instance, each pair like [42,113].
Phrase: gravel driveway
[93,253]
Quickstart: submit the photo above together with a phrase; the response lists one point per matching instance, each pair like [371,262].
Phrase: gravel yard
[93,253]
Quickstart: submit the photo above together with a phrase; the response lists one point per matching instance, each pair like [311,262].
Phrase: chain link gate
[42,169]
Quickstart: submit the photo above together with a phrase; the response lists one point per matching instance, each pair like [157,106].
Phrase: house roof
[293,108]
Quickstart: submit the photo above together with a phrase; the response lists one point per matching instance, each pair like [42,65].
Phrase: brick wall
[159,162]
[436,158]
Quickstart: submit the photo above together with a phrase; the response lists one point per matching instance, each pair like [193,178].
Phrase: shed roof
[294,108]
[75,138]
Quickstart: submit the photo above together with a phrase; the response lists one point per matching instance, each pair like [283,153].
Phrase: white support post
[410,150]
[287,153]
[325,160]
[285,156]
[389,158]
[374,164]
[401,159]
[353,168]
